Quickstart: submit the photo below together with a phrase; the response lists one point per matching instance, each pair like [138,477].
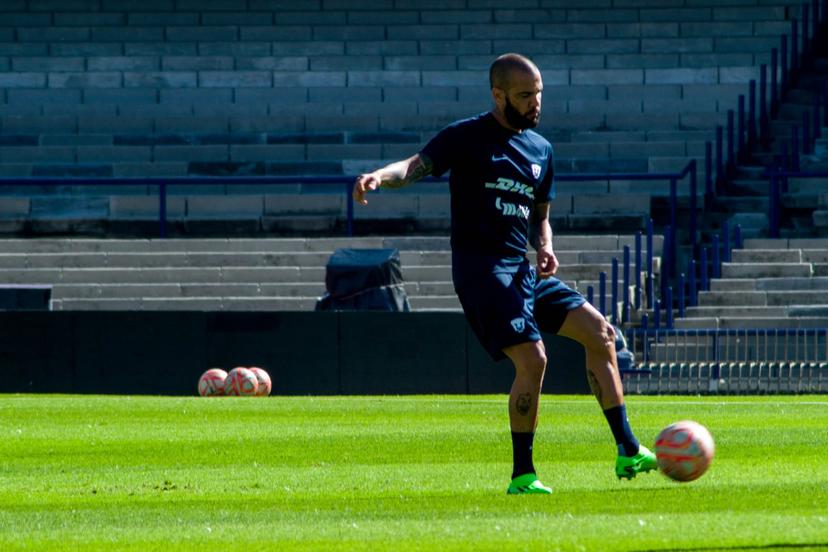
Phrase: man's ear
[499,97]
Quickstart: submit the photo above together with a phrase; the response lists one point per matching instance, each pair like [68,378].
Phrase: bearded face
[521,120]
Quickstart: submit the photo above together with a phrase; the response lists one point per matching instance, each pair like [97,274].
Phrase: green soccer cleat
[527,484]
[626,467]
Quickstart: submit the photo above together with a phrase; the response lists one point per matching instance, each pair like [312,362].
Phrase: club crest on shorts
[536,170]
[518,324]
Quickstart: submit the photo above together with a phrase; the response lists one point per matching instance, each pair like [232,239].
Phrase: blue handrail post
[708,177]
[726,242]
[764,139]
[783,66]
[625,313]
[703,270]
[731,145]
[657,314]
[162,209]
[693,205]
[681,296]
[602,293]
[590,295]
[673,216]
[751,122]
[795,148]
[806,132]
[349,200]
[737,237]
[693,289]
[794,49]
[717,265]
[649,285]
[773,195]
[740,130]
[668,305]
[645,331]
[666,260]
[637,295]
[774,77]
[614,291]
[719,158]
[816,116]
[825,102]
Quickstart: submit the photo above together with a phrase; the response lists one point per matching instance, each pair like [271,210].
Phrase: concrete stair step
[732,298]
[163,275]
[188,245]
[786,243]
[760,270]
[432,302]
[815,283]
[189,304]
[429,288]
[122,290]
[818,256]
[759,298]
[718,311]
[767,255]
[739,322]
[159,260]
[733,284]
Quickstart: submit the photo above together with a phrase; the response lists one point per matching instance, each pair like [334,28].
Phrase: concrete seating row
[248,274]
[768,284]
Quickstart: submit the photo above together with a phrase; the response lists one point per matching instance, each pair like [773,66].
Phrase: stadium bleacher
[99,88]
[262,88]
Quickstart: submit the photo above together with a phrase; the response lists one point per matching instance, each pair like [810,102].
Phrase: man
[501,184]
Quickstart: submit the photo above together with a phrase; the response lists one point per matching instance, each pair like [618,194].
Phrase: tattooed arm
[395,175]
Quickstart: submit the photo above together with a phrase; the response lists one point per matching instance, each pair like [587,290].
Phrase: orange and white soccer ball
[211,382]
[241,382]
[265,385]
[684,450]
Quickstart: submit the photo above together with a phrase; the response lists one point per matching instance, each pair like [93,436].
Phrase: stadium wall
[306,353]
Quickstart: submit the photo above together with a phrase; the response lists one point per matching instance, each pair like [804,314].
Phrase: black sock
[522,453]
[620,426]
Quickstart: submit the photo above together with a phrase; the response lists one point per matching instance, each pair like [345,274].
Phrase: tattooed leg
[530,363]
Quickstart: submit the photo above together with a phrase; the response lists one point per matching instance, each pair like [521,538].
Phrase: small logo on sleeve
[536,170]
[518,324]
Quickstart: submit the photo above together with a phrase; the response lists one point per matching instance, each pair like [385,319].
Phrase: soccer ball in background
[211,382]
[684,450]
[241,382]
[265,384]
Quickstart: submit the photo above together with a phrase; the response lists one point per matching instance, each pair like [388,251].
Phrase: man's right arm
[395,175]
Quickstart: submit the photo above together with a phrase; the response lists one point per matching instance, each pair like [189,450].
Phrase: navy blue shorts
[506,304]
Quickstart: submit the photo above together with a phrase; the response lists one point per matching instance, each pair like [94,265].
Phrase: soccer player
[501,184]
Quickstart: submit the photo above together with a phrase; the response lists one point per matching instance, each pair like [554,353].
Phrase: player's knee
[535,366]
[603,341]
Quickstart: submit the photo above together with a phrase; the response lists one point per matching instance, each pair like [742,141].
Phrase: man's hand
[365,183]
[547,262]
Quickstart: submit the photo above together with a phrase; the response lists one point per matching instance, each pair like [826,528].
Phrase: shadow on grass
[790,546]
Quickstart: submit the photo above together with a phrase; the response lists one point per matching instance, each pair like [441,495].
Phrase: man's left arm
[541,239]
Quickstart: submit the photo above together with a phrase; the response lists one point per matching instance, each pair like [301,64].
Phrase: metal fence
[728,361]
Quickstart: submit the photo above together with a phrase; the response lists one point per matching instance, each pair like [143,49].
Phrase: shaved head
[516,90]
[502,69]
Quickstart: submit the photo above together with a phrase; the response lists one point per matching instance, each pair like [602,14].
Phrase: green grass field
[398,473]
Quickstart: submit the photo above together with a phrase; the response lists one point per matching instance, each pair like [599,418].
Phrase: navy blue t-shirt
[497,177]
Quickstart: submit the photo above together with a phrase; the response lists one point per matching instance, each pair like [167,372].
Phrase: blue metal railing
[777,183]
[629,302]
[728,344]
[163,183]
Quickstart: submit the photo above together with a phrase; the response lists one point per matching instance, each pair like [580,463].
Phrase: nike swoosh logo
[499,158]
